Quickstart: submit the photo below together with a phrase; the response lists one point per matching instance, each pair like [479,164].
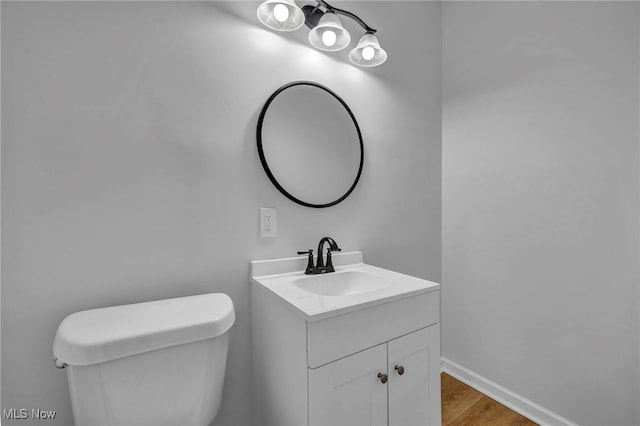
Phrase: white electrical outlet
[268,222]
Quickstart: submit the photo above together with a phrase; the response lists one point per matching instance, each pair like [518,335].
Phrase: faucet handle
[329,267]
[310,267]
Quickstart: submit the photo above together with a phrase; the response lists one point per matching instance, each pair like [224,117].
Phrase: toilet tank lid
[100,335]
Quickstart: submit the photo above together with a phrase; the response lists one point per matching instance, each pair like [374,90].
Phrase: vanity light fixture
[326,30]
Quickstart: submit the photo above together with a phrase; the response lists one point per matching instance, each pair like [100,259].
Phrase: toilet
[153,363]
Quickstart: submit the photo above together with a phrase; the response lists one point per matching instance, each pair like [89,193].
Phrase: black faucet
[320,267]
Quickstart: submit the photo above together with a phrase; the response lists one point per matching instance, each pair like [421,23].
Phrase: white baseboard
[510,399]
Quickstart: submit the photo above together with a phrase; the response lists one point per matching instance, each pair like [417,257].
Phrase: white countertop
[276,277]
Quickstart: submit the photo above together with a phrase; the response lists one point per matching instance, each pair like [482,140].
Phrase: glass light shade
[329,22]
[368,52]
[271,13]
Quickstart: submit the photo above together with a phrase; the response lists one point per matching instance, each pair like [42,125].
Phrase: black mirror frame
[263,160]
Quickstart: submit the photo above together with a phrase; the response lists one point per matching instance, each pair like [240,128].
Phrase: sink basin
[342,283]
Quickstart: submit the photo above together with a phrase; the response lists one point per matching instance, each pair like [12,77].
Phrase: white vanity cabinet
[395,383]
[326,368]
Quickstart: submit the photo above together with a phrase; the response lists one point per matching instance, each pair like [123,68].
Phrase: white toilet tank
[153,363]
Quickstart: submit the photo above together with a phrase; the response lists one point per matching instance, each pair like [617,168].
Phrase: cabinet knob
[382,377]
[399,369]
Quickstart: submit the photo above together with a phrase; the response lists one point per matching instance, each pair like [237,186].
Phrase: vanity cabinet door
[414,378]
[349,392]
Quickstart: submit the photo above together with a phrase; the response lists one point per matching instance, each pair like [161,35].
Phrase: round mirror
[310,144]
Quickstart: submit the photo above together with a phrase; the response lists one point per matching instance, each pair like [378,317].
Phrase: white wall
[130,172]
[540,202]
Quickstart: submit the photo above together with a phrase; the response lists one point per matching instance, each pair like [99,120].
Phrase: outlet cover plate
[268,222]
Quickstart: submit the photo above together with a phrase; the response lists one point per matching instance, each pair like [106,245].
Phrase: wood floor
[462,405]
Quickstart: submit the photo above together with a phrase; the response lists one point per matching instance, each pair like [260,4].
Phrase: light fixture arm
[353,16]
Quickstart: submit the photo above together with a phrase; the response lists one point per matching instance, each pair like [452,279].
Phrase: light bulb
[368,53]
[329,38]
[281,12]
